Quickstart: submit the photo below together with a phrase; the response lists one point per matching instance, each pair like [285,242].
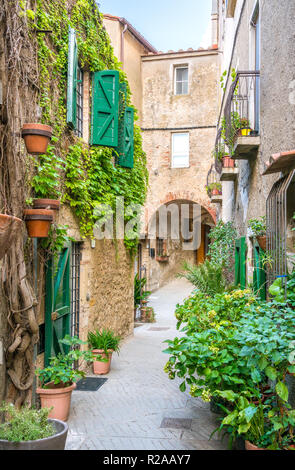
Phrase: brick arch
[181,195]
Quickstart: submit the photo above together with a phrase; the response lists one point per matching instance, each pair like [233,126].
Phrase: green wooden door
[57,304]
[240,262]
[259,275]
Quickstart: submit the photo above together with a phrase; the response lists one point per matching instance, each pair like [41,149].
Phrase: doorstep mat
[90,384]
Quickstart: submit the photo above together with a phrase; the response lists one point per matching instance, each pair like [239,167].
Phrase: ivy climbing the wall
[91,177]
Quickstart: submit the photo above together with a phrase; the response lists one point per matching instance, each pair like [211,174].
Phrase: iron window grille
[75,288]
[79,124]
[277,225]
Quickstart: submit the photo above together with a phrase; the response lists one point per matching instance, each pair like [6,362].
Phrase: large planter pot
[228,162]
[38,222]
[55,442]
[59,399]
[49,204]
[102,368]
[36,137]
[9,228]
[250,446]
[262,242]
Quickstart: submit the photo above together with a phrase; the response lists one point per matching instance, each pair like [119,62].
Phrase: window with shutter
[126,139]
[240,262]
[105,108]
[72,80]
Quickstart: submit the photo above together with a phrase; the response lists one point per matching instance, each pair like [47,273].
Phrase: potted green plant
[30,429]
[244,128]
[36,137]
[148,315]
[58,379]
[214,189]
[257,228]
[45,182]
[103,344]
[140,295]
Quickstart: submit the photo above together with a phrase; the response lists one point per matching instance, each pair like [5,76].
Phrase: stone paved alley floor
[127,412]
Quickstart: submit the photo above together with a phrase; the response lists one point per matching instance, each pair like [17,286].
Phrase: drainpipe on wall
[122,44]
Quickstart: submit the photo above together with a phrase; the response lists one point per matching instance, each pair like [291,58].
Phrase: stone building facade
[169,115]
[176,95]
[99,284]
[257,40]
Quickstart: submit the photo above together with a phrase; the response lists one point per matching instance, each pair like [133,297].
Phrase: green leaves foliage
[61,367]
[85,177]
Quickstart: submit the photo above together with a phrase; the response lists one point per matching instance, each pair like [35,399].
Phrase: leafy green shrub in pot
[139,293]
[58,379]
[30,429]
[265,336]
[104,343]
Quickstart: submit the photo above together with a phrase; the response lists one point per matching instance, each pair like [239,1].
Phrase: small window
[181,80]
[161,247]
[180,150]
[79,126]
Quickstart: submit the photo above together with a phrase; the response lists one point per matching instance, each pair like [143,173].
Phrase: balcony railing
[242,106]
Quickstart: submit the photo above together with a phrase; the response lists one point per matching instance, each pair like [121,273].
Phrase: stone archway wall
[159,273]
[202,200]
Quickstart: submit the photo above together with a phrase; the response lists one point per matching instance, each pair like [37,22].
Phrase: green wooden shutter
[126,139]
[57,305]
[105,108]
[259,275]
[240,262]
[72,79]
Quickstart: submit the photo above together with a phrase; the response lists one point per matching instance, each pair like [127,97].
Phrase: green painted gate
[57,304]
[259,275]
[240,262]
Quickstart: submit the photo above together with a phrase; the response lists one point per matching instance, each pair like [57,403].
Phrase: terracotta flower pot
[228,162]
[36,137]
[50,204]
[9,228]
[262,242]
[38,222]
[216,192]
[101,368]
[250,446]
[59,399]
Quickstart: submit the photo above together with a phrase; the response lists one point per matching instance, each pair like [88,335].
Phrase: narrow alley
[129,411]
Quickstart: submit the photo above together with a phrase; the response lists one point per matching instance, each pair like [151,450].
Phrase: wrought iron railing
[242,106]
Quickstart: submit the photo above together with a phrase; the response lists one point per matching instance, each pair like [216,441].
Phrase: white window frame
[173,154]
[177,67]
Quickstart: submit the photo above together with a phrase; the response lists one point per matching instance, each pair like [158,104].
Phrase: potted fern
[103,344]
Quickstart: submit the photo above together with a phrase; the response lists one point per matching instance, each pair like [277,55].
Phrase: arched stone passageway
[177,231]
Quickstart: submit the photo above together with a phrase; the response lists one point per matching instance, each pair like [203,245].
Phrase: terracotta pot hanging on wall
[36,137]
[228,162]
[9,228]
[50,204]
[38,222]
[262,242]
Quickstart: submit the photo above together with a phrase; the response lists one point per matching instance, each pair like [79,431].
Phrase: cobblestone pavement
[127,412]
